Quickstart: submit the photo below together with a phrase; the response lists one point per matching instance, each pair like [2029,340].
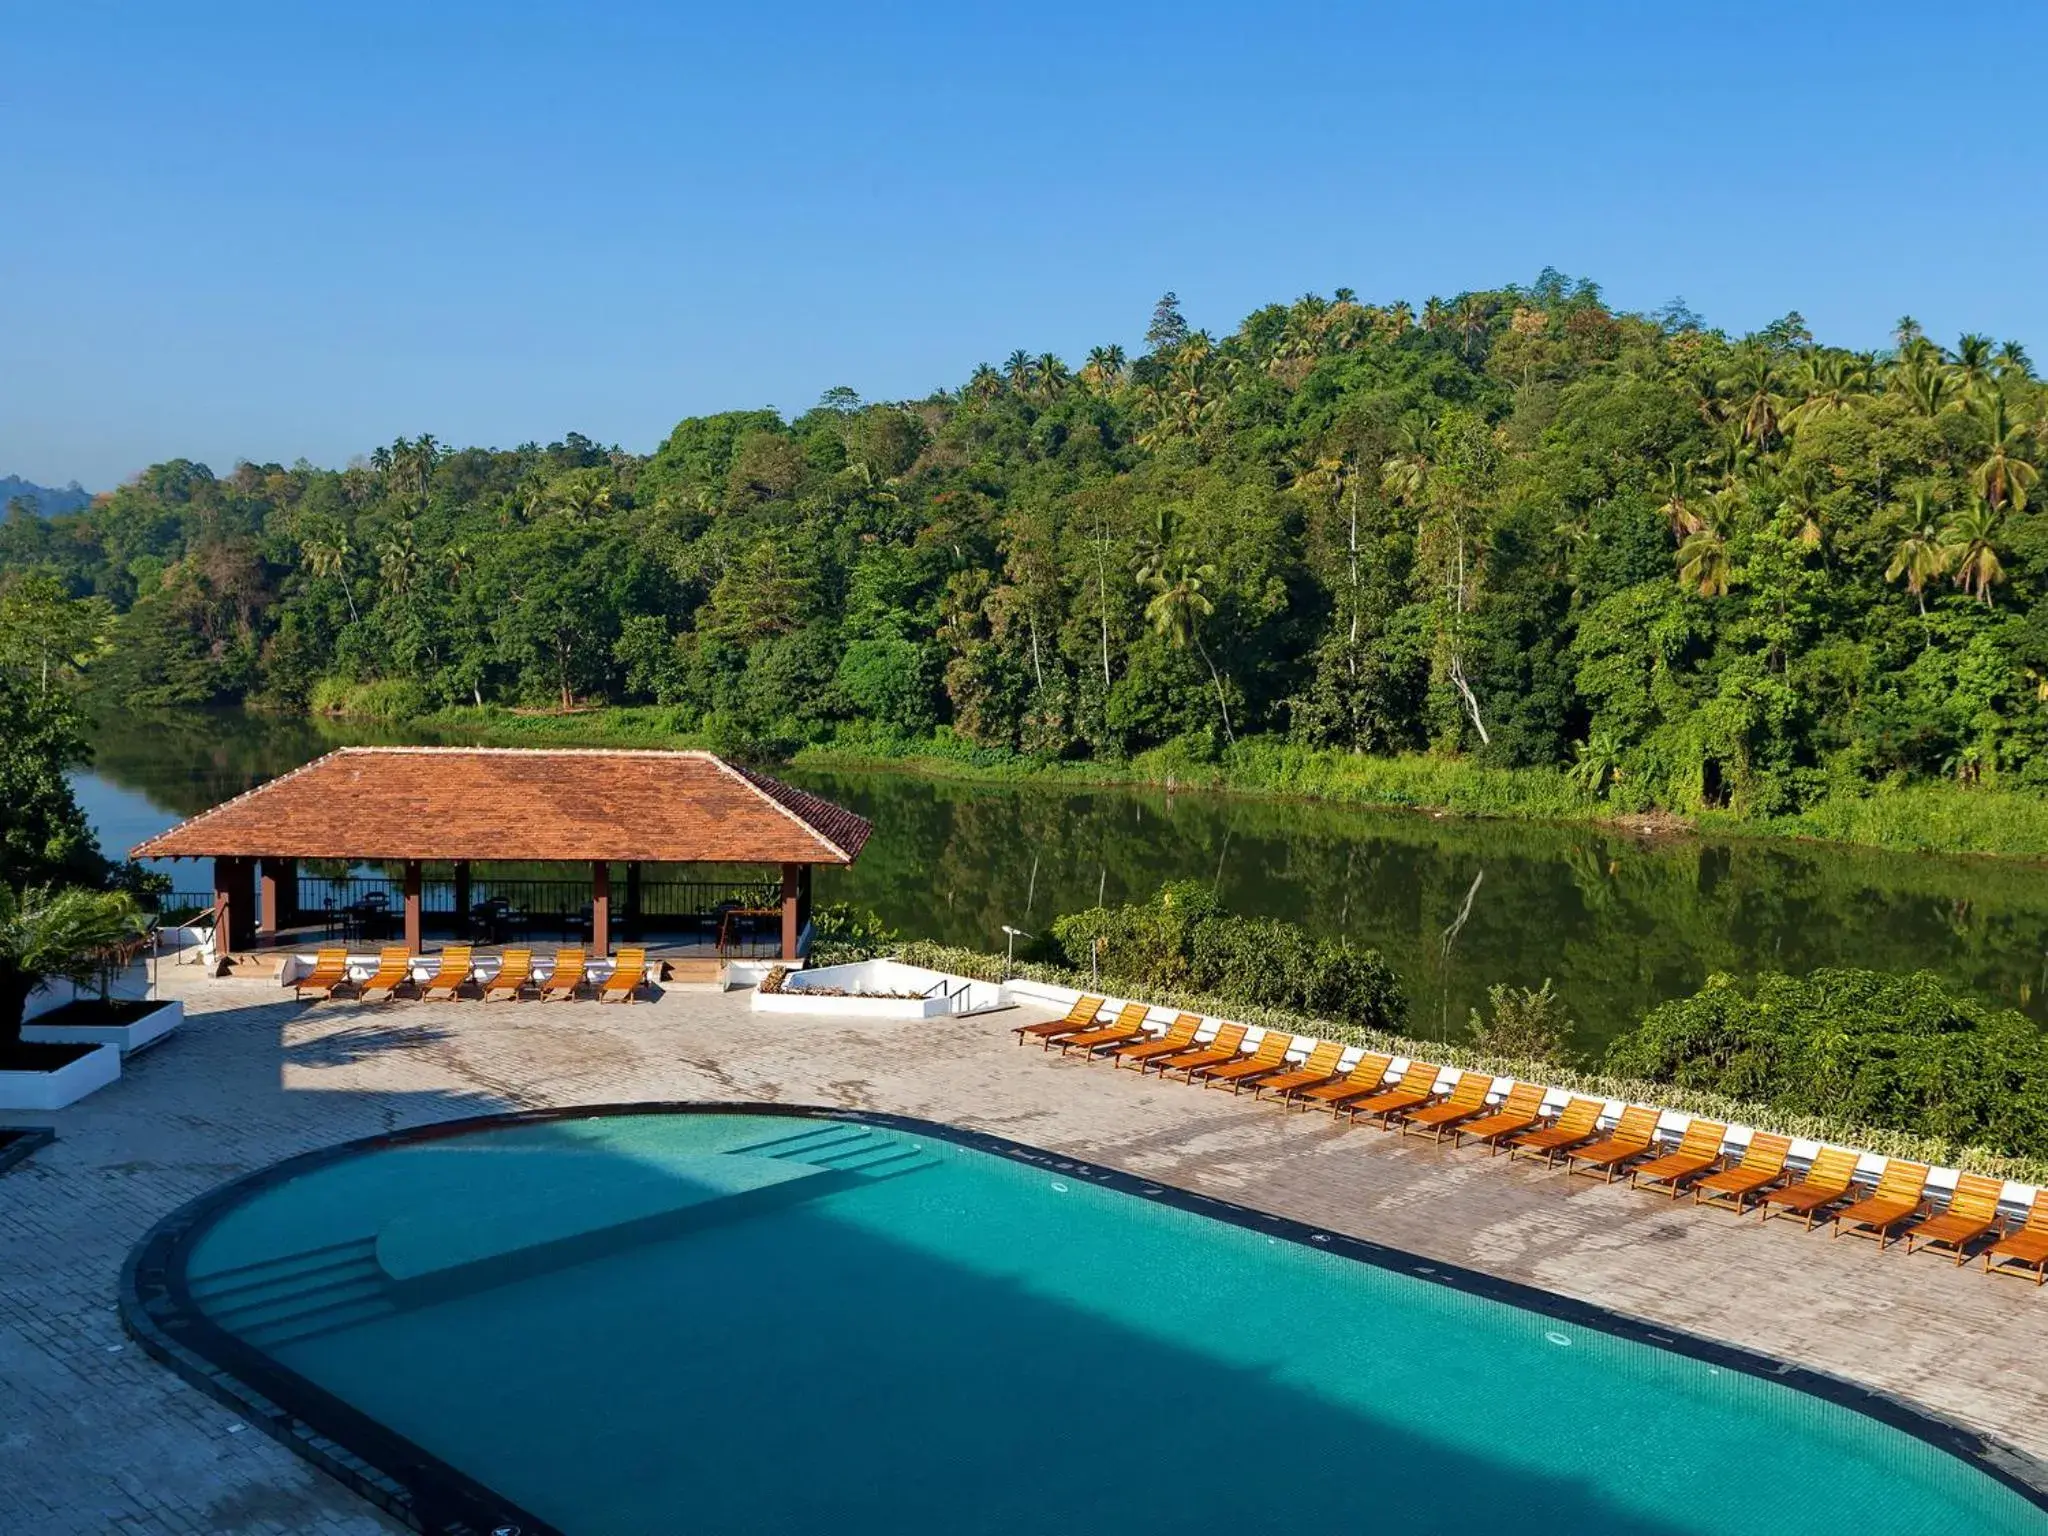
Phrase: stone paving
[95,1437]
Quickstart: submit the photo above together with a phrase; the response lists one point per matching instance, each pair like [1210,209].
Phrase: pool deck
[97,1438]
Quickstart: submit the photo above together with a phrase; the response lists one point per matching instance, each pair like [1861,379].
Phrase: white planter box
[130,1037]
[948,996]
[66,1085]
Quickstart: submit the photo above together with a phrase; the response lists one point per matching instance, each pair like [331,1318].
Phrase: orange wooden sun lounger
[453,971]
[1362,1081]
[514,976]
[1901,1191]
[1417,1087]
[1222,1047]
[330,970]
[1270,1057]
[2024,1253]
[1522,1108]
[1578,1121]
[1180,1034]
[1762,1165]
[1972,1211]
[1633,1136]
[1320,1068]
[1698,1150]
[1129,1025]
[394,970]
[566,979]
[1466,1099]
[1826,1181]
[628,976]
[1079,1017]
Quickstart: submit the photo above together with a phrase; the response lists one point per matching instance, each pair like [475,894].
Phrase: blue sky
[273,231]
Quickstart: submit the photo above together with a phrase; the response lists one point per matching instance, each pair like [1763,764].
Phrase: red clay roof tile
[484,804]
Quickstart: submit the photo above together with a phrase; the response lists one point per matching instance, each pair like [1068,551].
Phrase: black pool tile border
[413,1486]
[22,1142]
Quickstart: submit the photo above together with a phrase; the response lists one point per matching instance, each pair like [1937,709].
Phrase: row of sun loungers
[516,977]
[1700,1164]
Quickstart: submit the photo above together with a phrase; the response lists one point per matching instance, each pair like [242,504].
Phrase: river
[1617,922]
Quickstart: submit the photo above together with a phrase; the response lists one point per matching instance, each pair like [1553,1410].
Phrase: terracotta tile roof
[476,803]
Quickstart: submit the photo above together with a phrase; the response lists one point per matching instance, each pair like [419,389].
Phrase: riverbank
[1919,818]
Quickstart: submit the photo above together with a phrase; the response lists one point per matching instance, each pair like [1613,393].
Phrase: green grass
[1938,818]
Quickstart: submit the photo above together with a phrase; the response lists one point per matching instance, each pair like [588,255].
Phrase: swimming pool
[699,1318]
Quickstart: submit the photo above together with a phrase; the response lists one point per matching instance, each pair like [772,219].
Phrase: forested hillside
[1687,569]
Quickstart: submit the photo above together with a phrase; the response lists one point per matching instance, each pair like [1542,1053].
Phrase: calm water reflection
[1619,923]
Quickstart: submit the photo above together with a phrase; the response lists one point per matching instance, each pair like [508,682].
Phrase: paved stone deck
[95,1437]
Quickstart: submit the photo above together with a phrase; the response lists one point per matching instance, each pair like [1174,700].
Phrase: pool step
[283,1300]
[843,1148]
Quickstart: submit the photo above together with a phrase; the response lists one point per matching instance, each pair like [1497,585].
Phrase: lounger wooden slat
[1633,1136]
[1762,1165]
[1466,1100]
[1228,1040]
[1697,1152]
[330,970]
[1368,1077]
[1971,1212]
[514,976]
[1320,1068]
[1901,1191]
[453,970]
[1180,1034]
[394,970]
[1522,1108]
[1826,1181]
[566,979]
[1417,1087]
[1126,1027]
[1270,1057]
[628,976]
[2023,1254]
[1578,1121]
[1079,1017]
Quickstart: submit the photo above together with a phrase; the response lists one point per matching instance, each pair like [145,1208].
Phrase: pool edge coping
[416,1488]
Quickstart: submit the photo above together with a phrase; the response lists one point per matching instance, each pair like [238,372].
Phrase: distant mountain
[47,501]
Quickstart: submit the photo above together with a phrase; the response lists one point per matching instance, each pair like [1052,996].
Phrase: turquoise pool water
[741,1323]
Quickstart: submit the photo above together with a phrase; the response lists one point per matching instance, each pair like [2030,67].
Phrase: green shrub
[1525,1021]
[387,699]
[1897,1051]
[1182,939]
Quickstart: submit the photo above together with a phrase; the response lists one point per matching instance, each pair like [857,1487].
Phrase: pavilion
[462,807]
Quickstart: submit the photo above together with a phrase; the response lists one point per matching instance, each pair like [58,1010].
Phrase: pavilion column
[461,895]
[633,930]
[792,925]
[600,908]
[803,897]
[234,904]
[413,944]
[278,895]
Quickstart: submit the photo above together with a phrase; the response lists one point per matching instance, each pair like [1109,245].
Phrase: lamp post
[1010,938]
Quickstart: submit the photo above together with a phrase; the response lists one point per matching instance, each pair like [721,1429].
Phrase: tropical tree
[2005,476]
[47,933]
[1973,366]
[1920,556]
[327,560]
[1703,564]
[1178,607]
[1971,552]
[1756,387]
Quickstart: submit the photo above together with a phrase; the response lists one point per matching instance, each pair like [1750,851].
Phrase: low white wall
[44,1091]
[1671,1123]
[130,1038]
[932,994]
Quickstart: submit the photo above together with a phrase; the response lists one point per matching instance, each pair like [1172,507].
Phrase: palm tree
[1755,384]
[1920,556]
[1926,382]
[2012,362]
[1405,472]
[1436,314]
[1400,318]
[1176,611]
[1153,545]
[1676,484]
[1017,370]
[984,383]
[2004,477]
[46,933]
[1050,376]
[325,560]
[1471,319]
[1973,365]
[1703,565]
[1968,541]
[1104,370]
[1828,381]
[1906,332]
[1595,761]
[398,559]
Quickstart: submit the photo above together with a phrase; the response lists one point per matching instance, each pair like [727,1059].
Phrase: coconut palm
[1925,382]
[1828,381]
[1920,556]
[1471,319]
[47,933]
[984,383]
[2005,476]
[1436,314]
[1703,564]
[1178,606]
[1017,370]
[328,560]
[1104,370]
[2012,362]
[1972,555]
[1049,376]
[1972,371]
[1756,387]
[1677,486]
[1406,471]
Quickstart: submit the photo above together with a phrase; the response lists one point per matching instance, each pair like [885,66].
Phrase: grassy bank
[1919,818]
